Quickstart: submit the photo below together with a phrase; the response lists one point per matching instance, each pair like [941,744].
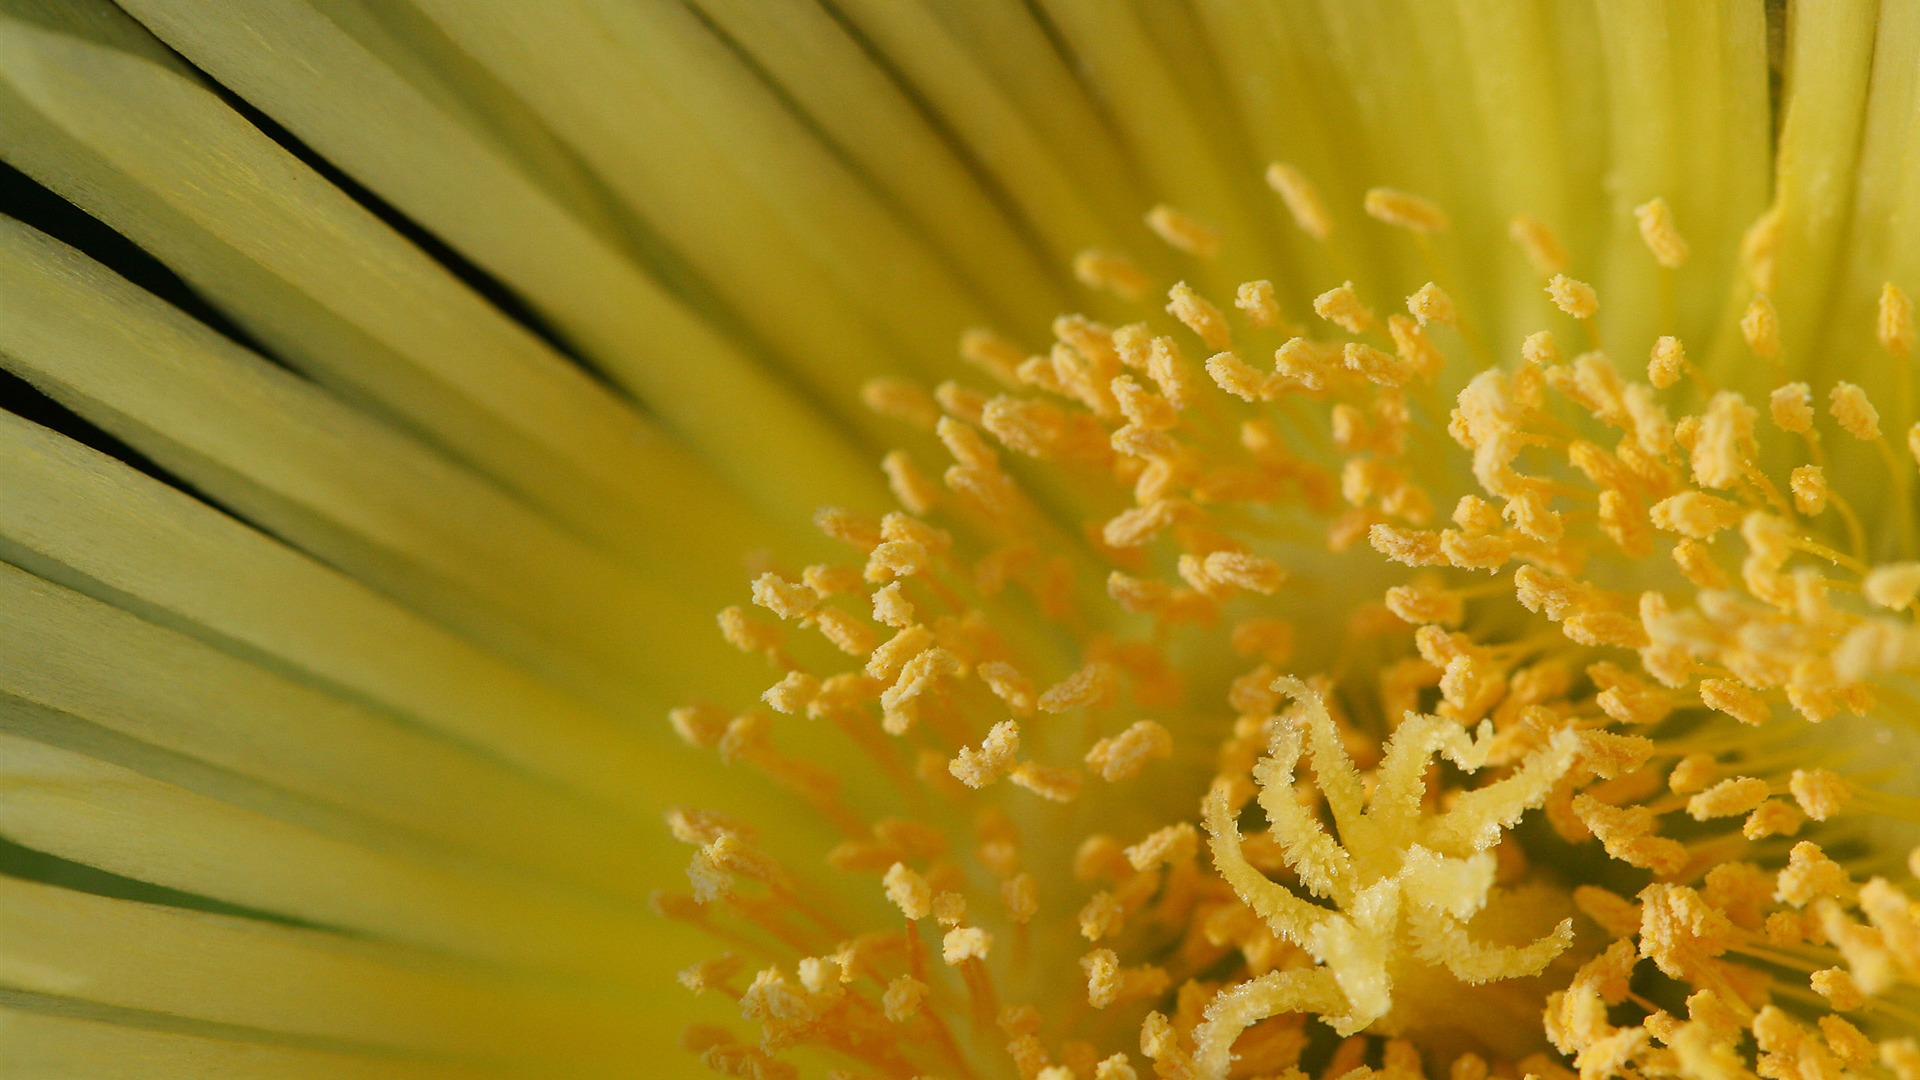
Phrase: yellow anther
[995,757]
[1896,321]
[1413,346]
[1720,454]
[746,633]
[1543,249]
[1007,684]
[965,943]
[1573,296]
[1302,200]
[913,488]
[1693,774]
[1184,231]
[1843,994]
[1406,210]
[1375,365]
[901,1001]
[1124,756]
[1047,781]
[1197,314]
[1342,307]
[784,598]
[1735,700]
[891,607]
[793,693]
[699,726]
[992,354]
[1809,484]
[1430,303]
[1695,514]
[1855,414]
[1760,250]
[1102,916]
[1164,847]
[1893,585]
[1696,561]
[1092,685]
[949,908]
[1241,570]
[1772,818]
[1539,349]
[1792,407]
[1255,300]
[1115,273]
[711,974]
[1820,792]
[1727,798]
[1237,377]
[1760,325]
[908,891]
[1310,363]
[702,827]
[1132,528]
[1667,363]
[1661,236]
[1810,874]
[1020,895]
[900,400]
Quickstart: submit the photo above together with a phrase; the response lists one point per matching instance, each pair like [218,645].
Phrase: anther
[1667,363]
[1408,211]
[1184,231]
[1199,316]
[1574,297]
[1661,236]
[1302,200]
[1543,249]
[1342,307]
[1896,321]
[1760,325]
[1430,303]
[1855,414]
[1117,274]
[1255,300]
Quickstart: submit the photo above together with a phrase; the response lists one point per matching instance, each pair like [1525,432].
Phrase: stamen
[1410,212]
[1542,248]
[1115,273]
[1184,231]
[1661,236]
[1302,200]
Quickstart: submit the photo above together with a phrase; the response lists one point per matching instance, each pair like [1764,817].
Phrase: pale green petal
[98,526]
[311,984]
[333,479]
[59,1043]
[405,143]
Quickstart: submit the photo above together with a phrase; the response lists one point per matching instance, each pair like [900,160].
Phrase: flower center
[1073,659]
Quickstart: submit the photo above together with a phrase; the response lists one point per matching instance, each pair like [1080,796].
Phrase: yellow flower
[1480,435]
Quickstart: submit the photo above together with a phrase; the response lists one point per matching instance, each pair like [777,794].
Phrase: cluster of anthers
[1007,735]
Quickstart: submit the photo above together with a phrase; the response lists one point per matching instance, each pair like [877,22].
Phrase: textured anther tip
[1302,200]
[1661,236]
[1538,243]
[1115,273]
[1573,296]
[1760,325]
[1408,211]
[1895,328]
[1184,231]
